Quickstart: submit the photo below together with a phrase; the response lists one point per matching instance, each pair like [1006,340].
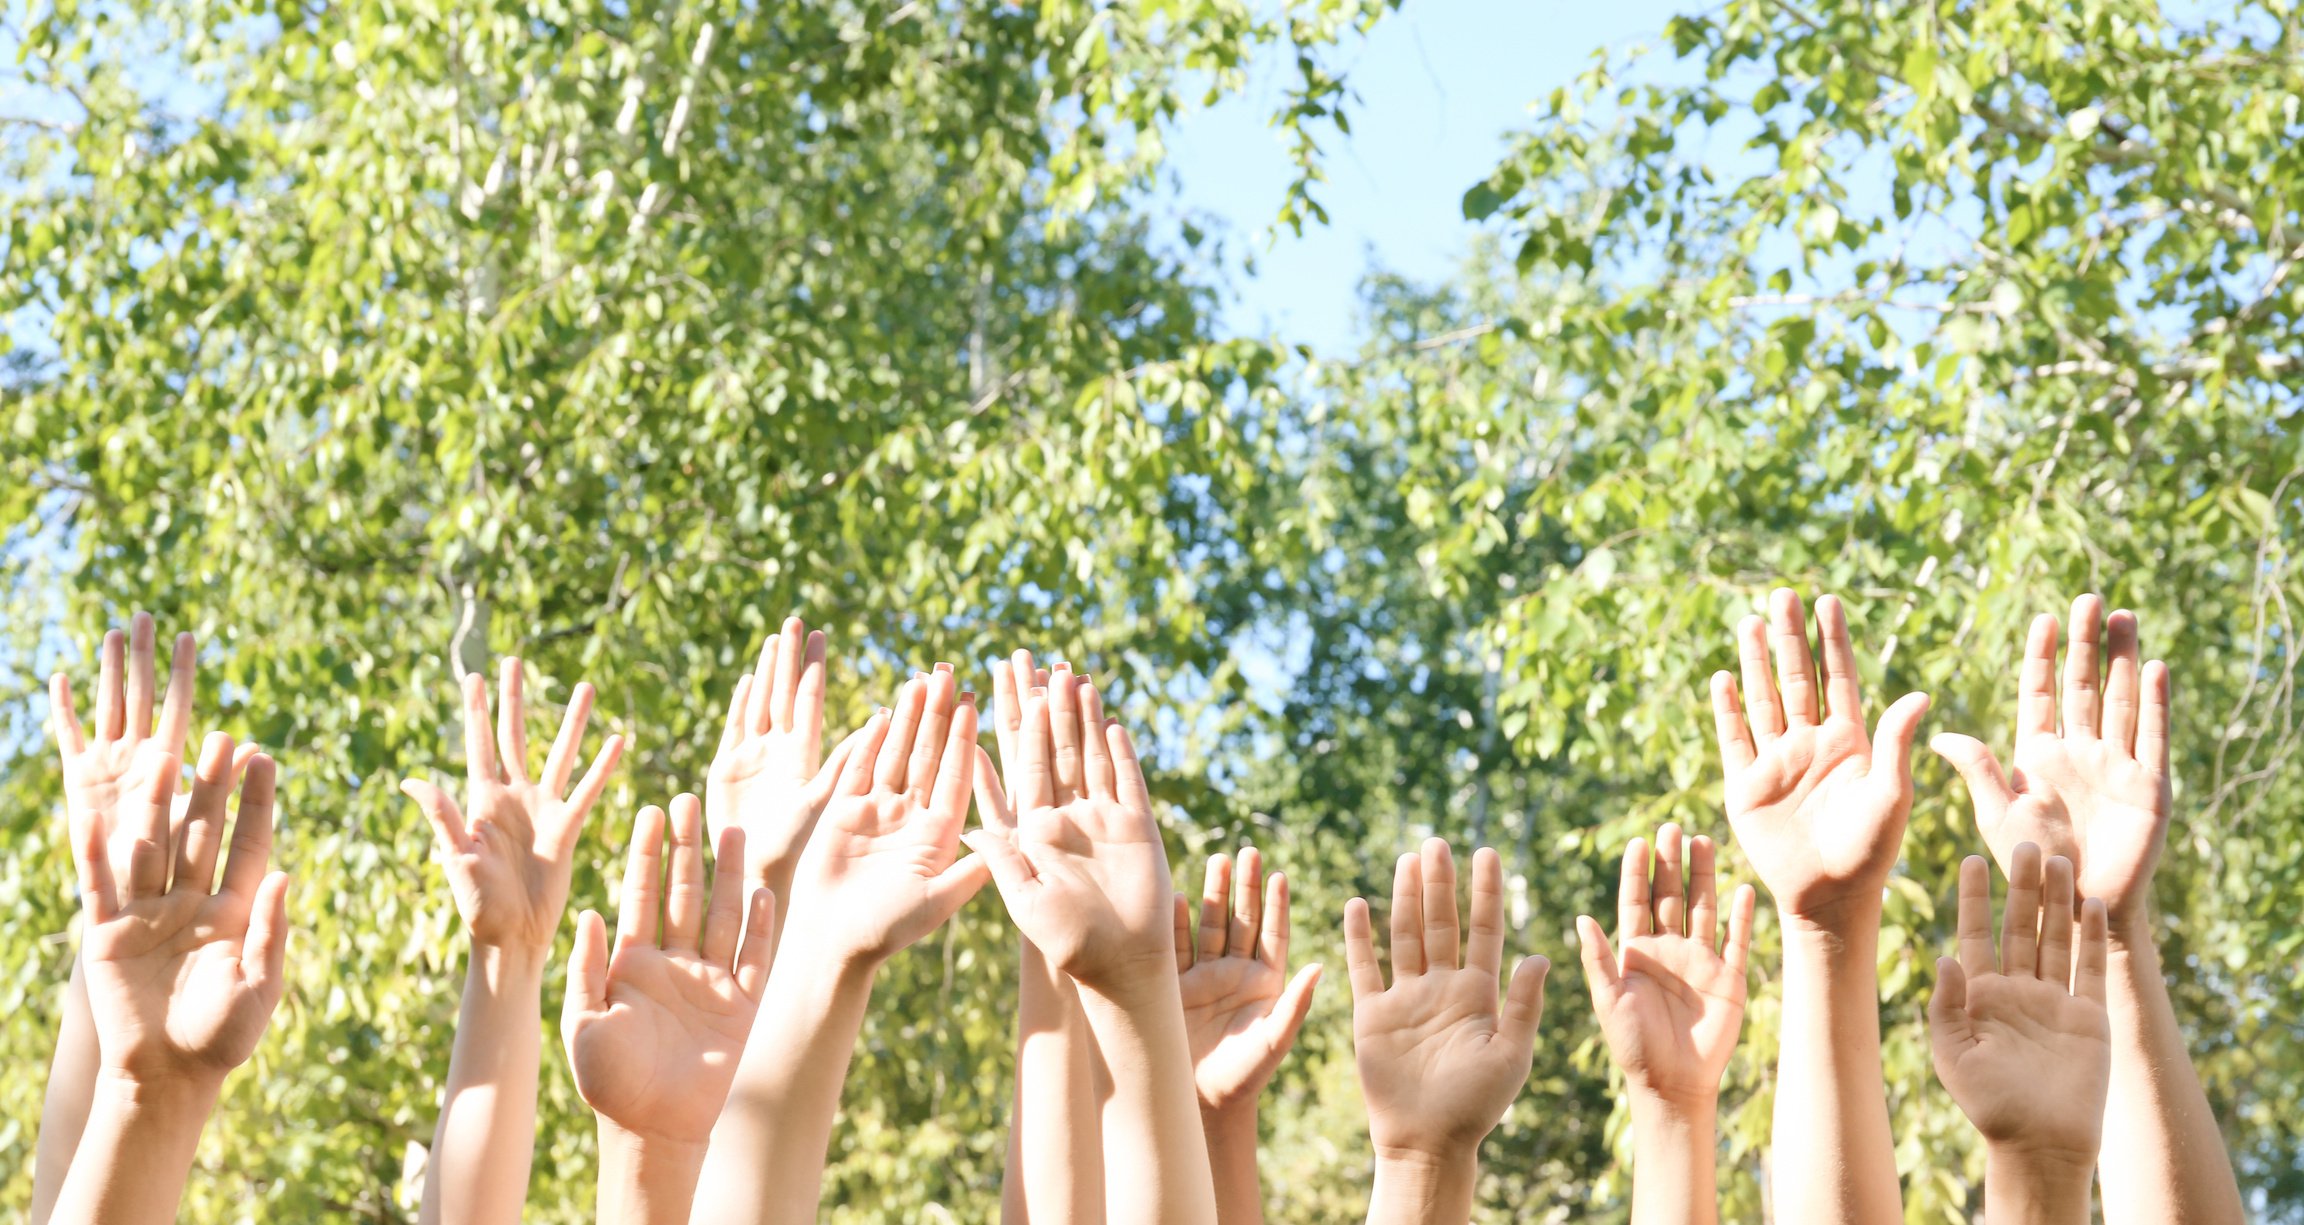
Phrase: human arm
[1819,809]
[2095,786]
[509,852]
[1670,1000]
[882,870]
[1439,1061]
[2021,1038]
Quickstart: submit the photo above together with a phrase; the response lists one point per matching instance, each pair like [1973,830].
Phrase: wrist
[1673,1114]
[191,1090]
[1425,1173]
[2130,931]
[502,967]
[1230,1123]
[2031,1185]
[636,1148]
[1842,920]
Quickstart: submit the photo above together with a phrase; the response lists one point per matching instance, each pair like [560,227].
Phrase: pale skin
[2022,1040]
[1055,1168]
[509,851]
[2092,784]
[184,971]
[1087,881]
[1819,808]
[882,870]
[653,1028]
[1669,995]
[1440,1061]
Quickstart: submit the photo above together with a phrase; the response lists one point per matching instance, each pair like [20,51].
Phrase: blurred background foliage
[371,339]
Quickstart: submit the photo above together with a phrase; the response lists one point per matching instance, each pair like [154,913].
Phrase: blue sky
[1440,83]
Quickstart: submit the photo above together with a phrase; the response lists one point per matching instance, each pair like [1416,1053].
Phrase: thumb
[1288,1012]
[1600,971]
[440,809]
[950,889]
[1948,1006]
[827,778]
[1011,872]
[264,950]
[992,807]
[1524,1003]
[1987,785]
[1892,740]
[587,968]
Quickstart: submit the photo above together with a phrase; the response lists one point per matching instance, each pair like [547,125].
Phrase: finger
[2088,980]
[1065,734]
[724,918]
[1181,938]
[685,899]
[992,808]
[1524,1004]
[808,699]
[1977,955]
[1272,933]
[588,967]
[1892,742]
[1442,932]
[791,657]
[111,704]
[763,696]
[1988,789]
[92,864]
[1762,704]
[640,895]
[176,709]
[1671,895]
[1360,965]
[1247,903]
[251,854]
[1484,951]
[2083,668]
[1007,710]
[1133,794]
[1215,901]
[2036,683]
[2056,922]
[828,776]
[758,953]
[141,680]
[731,728]
[888,773]
[512,719]
[264,950]
[1843,694]
[2152,720]
[950,889]
[1407,917]
[440,809]
[1012,873]
[955,771]
[1634,915]
[1948,1005]
[1100,779]
[1703,893]
[63,720]
[587,793]
[1035,765]
[856,773]
[479,752]
[930,741]
[1281,1025]
[2020,927]
[2122,680]
[1795,666]
[1741,909]
[560,763]
[1602,977]
[202,838]
[1737,749]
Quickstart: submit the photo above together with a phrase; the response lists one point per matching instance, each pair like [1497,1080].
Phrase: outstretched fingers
[2122,680]
[1737,748]
[1602,976]
[1795,665]
[1843,693]
[724,918]
[479,746]
[2036,681]
[2020,926]
[1484,951]
[264,949]
[512,719]
[1360,965]
[1671,897]
[1407,919]
[246,864]
[1977,955]
[2089,977]
[588,968]
[176,709]
[685,899]
[1741,910]
[1524,1004]
[1634,910]
[638,905]
[1703,892]
[1442,932]
[1762,703]
[560,761]
[2083,668]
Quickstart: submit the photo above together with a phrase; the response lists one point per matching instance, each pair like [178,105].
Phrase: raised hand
[2022,1039]
[654,1030]
[510,849]
[1820,814]
[884,868]
[2094,787]
[1670,996]
[1241,1010]
[769,776]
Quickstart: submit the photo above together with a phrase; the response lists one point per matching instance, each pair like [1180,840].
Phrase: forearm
[2021,1189]
[71,1088]
[1231,1139]
[1155,1157]
[1423,1189]
[645,1181]
[1055,1142]
[1673,1181]
[486,1138]
[2163,1158]
[766,1162]
[137,1151]
[1832,1158]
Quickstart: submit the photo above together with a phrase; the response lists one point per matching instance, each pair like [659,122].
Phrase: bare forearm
[1423,1189]
[1232,1166]
[2020,1189]
[2164,1158]
[71,1086]
[1673,1181]
[646,1181]
[1055,1142]
[766,1162]
[1832,1157]
[1155,1157]
[478,1173]
[136,1153]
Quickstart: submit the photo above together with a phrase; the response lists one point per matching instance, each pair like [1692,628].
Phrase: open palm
[1241,1010]
[769,775]
[121,771]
